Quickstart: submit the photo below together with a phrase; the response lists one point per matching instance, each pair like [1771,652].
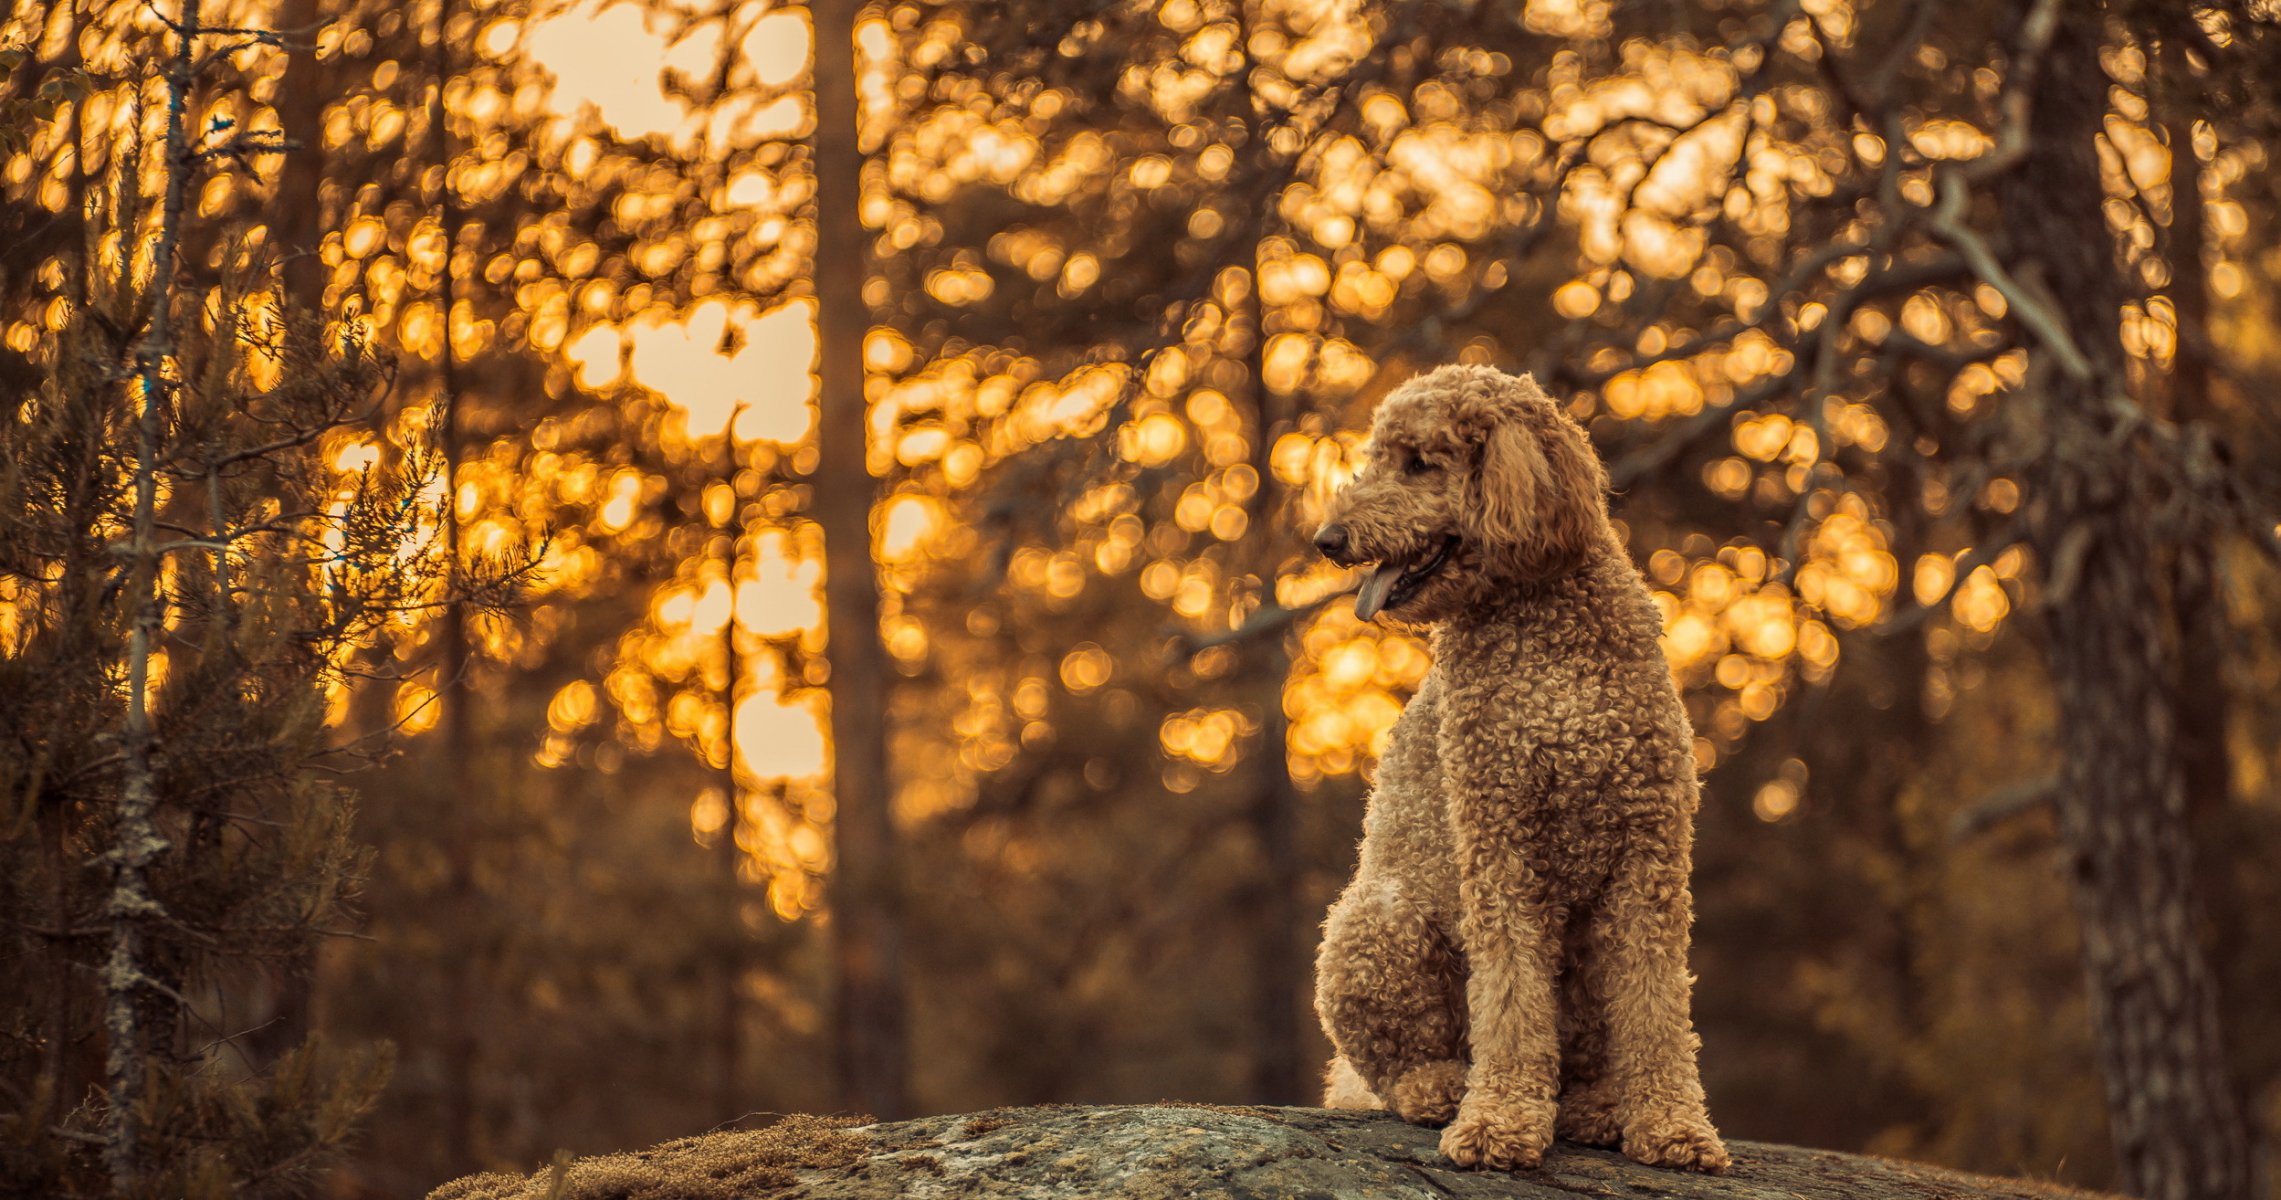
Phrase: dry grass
[734,1165]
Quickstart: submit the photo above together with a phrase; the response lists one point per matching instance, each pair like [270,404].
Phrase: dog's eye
[1414,463]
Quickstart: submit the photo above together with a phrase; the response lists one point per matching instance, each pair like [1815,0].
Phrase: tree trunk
[1279,1016]
[297,226]
[135,840]
[461,822]
[1202,1150]
[2203,702]
[729,1046]
[1277,1075]
[866,923]
[2114,663]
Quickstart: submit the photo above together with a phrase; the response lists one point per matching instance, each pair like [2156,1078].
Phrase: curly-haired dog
[1511,956]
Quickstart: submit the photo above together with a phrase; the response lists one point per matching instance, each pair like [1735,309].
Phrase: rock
[1160,1151]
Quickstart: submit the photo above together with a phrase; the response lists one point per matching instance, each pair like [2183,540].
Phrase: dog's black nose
[1331,540]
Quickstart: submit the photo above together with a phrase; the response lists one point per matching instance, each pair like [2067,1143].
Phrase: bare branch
[1266,621]
[2002,805]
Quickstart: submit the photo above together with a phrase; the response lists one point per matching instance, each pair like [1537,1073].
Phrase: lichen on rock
[1168,1151]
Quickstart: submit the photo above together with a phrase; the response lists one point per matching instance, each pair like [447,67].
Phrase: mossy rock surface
[1162,1151]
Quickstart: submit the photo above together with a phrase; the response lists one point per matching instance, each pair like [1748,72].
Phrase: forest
[577,572]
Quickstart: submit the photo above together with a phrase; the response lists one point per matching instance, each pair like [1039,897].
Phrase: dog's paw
[1502,1136]
[1685,1143]
[1429,1094]
[1588,1117]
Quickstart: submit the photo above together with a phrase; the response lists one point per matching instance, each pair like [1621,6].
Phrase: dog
[1510,959]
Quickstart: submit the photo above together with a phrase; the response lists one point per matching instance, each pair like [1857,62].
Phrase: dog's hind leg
[1389,990]
[1344,1087]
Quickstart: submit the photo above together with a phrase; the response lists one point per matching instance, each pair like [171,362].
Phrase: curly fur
[1510,958]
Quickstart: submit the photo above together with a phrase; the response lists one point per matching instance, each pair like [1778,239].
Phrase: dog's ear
[1511,475]
[1540,494]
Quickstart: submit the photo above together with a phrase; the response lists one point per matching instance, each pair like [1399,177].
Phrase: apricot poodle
[1511,956]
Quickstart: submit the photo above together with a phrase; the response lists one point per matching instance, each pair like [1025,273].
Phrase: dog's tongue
[1375,588]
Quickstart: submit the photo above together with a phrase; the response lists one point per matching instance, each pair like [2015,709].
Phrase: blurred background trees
[1927,347]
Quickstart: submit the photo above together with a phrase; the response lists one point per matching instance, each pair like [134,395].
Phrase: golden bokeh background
[1136,277]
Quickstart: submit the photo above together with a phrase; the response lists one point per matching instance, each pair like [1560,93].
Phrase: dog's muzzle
[1392,583]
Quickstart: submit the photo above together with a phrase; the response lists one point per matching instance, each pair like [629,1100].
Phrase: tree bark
[865,916]
[2217,821]
[2114,663]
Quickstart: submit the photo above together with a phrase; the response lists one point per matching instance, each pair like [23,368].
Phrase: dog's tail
[1343,1087]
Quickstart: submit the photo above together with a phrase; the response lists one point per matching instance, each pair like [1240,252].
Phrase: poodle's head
[1472,481]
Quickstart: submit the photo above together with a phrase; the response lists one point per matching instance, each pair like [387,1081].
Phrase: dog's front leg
[1512,1090]
[1640,936]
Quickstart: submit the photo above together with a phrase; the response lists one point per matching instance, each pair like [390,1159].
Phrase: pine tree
[196,536]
